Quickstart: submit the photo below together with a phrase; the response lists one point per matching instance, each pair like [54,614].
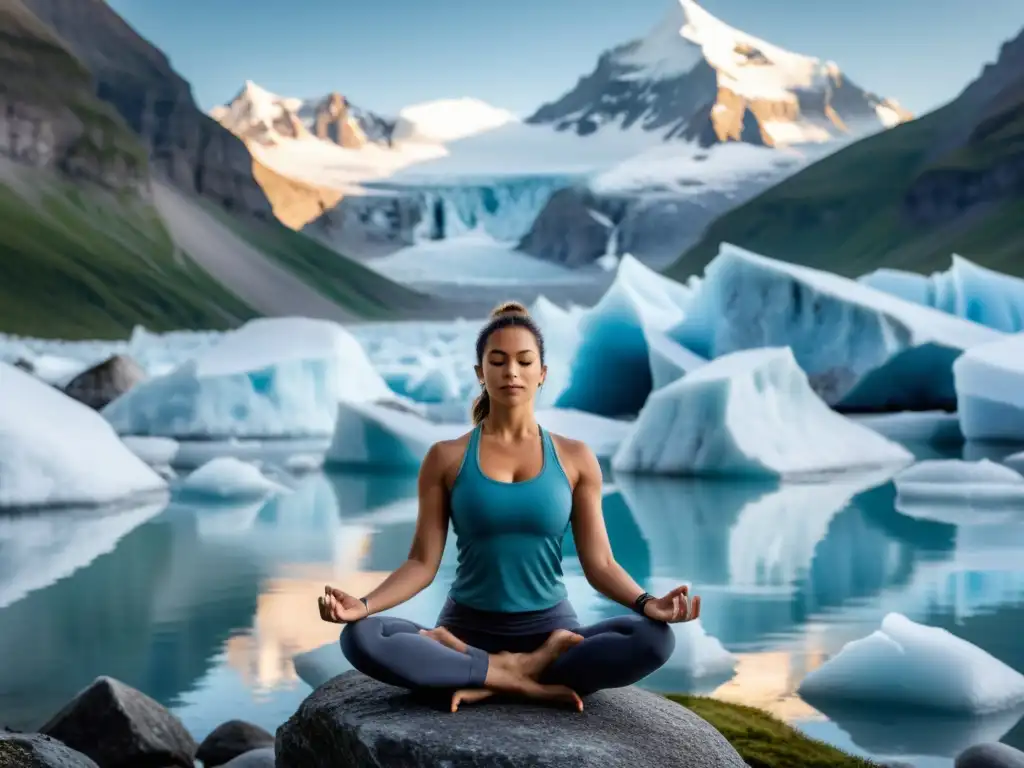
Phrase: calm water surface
[205,607]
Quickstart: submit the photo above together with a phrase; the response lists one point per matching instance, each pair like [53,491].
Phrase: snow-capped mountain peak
[694,76]
[447,120]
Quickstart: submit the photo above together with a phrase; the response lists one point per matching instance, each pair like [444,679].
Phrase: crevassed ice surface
[54,450]
[610,372]
[279,377]
[990,390]
[862,349]
[911,665]
[748,413]
[966,290]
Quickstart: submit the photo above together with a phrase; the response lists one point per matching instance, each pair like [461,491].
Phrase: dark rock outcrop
[49,117]
[26,365]
[186,146]
[990,755]
[105,382]
[33,750]
[231,739]
[256,758]
[120,727]
[355,722]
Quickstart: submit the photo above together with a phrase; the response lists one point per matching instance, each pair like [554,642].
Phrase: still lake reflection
[205,607]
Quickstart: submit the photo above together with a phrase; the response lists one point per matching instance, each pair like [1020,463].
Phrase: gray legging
[615,652]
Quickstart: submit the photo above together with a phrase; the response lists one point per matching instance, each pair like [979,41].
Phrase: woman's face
[511,369]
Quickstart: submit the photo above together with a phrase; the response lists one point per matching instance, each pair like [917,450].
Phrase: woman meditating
[510,489]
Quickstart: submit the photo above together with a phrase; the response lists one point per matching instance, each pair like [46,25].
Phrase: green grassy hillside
[866,206]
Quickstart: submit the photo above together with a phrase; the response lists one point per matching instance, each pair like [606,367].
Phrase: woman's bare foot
[446,638]
[469,696]
[533,664]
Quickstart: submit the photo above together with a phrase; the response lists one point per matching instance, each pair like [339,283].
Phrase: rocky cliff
[185,146]
[49,117]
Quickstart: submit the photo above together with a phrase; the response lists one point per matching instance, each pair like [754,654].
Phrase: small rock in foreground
[33,750]
[355,722]
[231,739]
[990,755]
[256,758]
[120,727]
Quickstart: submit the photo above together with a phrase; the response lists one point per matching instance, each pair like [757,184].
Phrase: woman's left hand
[675,607]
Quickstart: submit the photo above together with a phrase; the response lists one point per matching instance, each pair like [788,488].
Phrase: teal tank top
[509,535]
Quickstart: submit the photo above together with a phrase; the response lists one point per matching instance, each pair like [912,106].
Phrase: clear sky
[385,54]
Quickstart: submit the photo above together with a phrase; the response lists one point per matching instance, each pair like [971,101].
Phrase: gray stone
[100,385]
[355,722]
[26,365]
[990,755]
[120,727]
[256,758]
[231,739]
[34,750]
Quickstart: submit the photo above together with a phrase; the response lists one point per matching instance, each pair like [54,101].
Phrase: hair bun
[510,308]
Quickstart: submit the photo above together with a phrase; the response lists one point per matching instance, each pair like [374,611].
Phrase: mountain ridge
[953,183]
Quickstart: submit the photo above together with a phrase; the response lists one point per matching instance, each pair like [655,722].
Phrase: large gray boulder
[103,383]
[355,722]
[120,727]
[990,755]
[231,739]
[33,750]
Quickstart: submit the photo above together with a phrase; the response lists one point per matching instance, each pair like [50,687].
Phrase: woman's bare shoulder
[445,456]
[575,455]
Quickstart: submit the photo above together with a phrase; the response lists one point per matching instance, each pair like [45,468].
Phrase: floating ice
[280,377]
[952,481]
[862,349]
[668,360]
[56,451]
[912,666]
[748,413]
[379,435]
[610,372]
[990,389]
[226,477]
[965,290]
[155,451]
[935,427]
[561,329]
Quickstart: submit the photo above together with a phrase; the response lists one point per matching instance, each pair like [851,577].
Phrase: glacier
[271,378]
[54,451]
[749,413]
[966,290]
[912,666]
[863,349]
[504,207]
[610,371]
[955,482]
[990,390]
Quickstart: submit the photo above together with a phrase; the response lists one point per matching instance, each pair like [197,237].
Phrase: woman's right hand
[340,607]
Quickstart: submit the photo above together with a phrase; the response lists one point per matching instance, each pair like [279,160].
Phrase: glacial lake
[204,607]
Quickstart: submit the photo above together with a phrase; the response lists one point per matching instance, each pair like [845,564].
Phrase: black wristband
[641,601]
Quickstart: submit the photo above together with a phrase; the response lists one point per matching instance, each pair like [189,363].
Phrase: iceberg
[912,666]
[749,413]
[371,434]
[228,478]
[668,360]
[990,390]
[863,349]
[956,482]
[561,329]
[966,290]
[271,378]
[54,451]
[610,371]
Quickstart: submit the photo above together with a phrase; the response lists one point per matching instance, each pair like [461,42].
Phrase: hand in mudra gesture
[340,607]
[675,607]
